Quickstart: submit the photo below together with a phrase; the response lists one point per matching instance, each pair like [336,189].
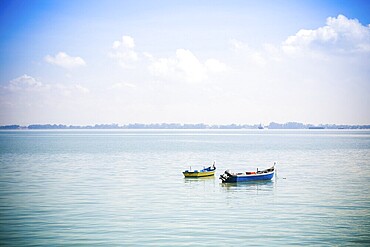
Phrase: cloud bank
[185,66]
[340,34]
[24,82]
[317,73]
[63,60]
[123,51]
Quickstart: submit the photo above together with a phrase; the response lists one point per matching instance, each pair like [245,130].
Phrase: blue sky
[216,62]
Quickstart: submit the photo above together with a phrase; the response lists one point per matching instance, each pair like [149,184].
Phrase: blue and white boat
[229,177]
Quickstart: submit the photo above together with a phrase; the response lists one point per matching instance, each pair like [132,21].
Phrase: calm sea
[125,188]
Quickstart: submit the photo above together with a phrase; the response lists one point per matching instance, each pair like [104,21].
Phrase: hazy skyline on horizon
[215,62]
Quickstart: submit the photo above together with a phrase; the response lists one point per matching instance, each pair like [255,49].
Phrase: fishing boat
[266,174]
[205,172]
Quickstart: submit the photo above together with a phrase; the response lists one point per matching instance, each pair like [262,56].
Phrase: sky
[88,62]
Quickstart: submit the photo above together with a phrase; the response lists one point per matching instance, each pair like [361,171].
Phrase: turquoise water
[125,188]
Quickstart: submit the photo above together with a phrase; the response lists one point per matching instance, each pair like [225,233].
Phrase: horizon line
[271,125]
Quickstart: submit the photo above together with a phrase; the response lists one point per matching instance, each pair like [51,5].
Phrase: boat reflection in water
[257,183]
[198,179]
[258,186]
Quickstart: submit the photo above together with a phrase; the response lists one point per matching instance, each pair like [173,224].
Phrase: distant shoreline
[272,125]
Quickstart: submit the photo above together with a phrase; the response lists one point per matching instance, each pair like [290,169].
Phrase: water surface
[125,188]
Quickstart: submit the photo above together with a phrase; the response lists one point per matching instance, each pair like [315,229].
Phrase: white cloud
[185,66]
[122,85]
[62,59]
[339,35]
[323,72]
[263,82]
[126,42]
[188,64]
[247,52]
[69,90]
[215,66]
[123,51]
[82,89]
[26,99]
[238,45]
[24,82]
[163,66]
[273,52]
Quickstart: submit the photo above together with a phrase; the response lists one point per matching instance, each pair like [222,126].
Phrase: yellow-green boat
[205,172]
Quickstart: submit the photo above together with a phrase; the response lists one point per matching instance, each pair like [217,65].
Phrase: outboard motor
[227,173]
[225,176]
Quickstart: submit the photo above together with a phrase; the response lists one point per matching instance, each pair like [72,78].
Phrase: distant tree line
[272,125]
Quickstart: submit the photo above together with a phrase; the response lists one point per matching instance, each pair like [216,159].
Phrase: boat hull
[246,178]
[198,174]
[266,174]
